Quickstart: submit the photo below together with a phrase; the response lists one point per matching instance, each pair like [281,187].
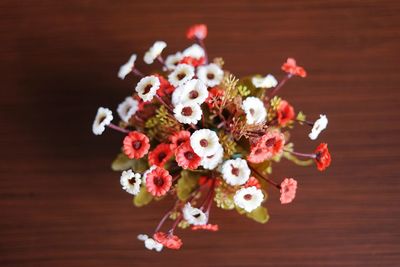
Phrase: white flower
[235,171]
[176,95]
[127,67]
[194,91]
[211,162]
[194,51]
[204,142]
[268,81]
[255,110]
[181,74]
[189,113]
[144,176]
[194,215]
[103,118]
[318,127]
[248,198]
[173,60]
[147,87]
[130,182]
[150,243]
[211,74]
[142,237]
[127,108]
[154,51]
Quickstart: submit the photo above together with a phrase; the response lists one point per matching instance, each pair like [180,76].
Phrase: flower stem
[265,178]
[117,128]
[209,196]
[161,60]
[160,224]
[306,155]
[279,86]
[171,231]
[139,118]
[137,72]
[309,123]
[176,178]
[159,98]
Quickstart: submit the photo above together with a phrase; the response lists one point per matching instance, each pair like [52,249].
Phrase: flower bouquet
[195,133]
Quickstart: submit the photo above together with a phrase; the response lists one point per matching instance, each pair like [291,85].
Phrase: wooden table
[60,203]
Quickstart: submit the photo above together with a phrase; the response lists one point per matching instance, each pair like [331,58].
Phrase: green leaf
[143,198]
[122,163]
[260,215]
[240,210]
[301,117]
[243,90]
[275,102]
[186,184]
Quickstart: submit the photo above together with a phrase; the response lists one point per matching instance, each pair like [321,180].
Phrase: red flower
[285,113]
[178,138]
[165,87]
[269,145]
[158,181]
[208,227]
[291,67]
[136,145]
[195,62]
[288,190]
[197,31]
[214,97]
[168,240]
[186,158]
[252,182]
[322,157]
[140,101]
[160,155]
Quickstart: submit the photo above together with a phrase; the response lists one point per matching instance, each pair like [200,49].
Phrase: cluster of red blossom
[200,135]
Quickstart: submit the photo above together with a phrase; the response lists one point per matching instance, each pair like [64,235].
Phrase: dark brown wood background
[61,205]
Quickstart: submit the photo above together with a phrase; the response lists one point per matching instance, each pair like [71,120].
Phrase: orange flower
[291,67]
[197,31]
[160,155]
[285,113]
[322,157]
[158,181]
[288,190]
[195,62]
[214,97]
[204,180]
[168,240]
[257,154]
[136,145]
[165,87]
[186,158]
[269,145]
[208,227]
[253,182]
[178,138]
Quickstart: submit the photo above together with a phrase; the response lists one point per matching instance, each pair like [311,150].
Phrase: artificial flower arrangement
[195,133]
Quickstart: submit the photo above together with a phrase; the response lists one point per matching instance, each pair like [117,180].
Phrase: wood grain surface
[60,203]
